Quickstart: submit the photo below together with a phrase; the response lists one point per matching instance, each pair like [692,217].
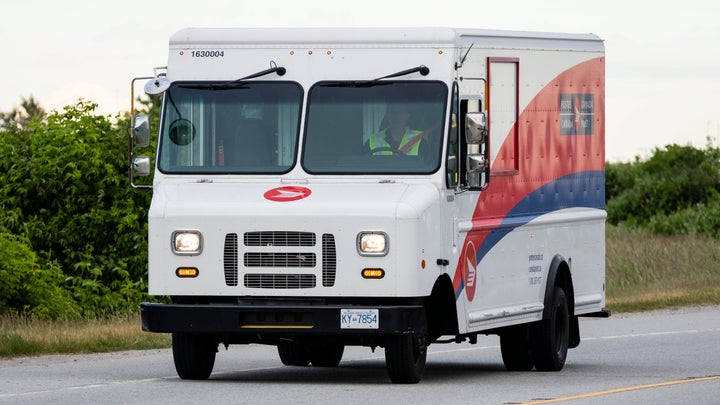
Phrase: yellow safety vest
[379,141]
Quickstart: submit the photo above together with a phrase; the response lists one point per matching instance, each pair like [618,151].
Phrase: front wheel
[405,357]
[551,336]
[194,355]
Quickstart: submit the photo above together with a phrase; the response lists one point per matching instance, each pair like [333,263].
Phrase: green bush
[29,288]
[675,191]
[63,186]
[699,220]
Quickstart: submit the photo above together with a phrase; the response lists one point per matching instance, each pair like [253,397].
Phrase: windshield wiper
[275,69]
[424,70]
[238,83]
[216,86]
[355,83]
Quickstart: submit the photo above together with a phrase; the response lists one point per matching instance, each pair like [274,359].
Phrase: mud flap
[574,333]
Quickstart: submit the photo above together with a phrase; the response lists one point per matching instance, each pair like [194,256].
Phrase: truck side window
[453,145]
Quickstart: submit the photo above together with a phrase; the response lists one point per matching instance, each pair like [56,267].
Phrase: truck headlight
[187,242]
[372,243]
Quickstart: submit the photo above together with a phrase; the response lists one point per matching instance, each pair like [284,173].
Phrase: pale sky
[662,58]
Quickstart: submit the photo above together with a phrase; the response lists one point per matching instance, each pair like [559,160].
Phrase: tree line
[73,233]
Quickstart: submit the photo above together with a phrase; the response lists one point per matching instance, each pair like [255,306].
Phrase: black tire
[405,359]
[194,355]
[551,336]
[328,355]
[294,354]
[516,348]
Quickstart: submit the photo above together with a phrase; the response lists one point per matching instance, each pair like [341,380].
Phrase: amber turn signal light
[373,273]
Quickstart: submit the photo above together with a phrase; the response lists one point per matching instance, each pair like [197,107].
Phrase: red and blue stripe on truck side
[561,162]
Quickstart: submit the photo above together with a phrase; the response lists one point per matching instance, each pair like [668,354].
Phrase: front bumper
[276,320]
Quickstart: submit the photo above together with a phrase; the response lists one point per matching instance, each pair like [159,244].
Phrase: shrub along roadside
[674,192]
[27,286]
[64,196]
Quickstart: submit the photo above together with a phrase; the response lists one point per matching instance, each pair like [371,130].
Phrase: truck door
[485,288]
[467,280]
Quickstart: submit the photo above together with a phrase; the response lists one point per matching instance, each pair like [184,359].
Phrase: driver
[396,137]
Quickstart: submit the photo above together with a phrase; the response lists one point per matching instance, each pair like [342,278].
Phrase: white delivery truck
[321,188]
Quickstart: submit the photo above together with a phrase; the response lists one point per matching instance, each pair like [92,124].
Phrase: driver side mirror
[141,166]
[141,131]
[478,157]
[475,127]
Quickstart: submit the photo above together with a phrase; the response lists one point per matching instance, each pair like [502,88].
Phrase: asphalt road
[668,357]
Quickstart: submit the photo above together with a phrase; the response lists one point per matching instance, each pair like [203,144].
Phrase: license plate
[359,318]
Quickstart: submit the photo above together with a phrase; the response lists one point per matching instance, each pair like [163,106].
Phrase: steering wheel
[395,151]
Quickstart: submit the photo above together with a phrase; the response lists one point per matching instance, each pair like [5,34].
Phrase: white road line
[651,334]
[83,387]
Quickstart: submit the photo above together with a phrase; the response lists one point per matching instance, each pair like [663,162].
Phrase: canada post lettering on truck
[389,187]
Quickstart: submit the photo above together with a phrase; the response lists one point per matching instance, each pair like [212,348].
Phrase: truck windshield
[378,127]
[248,127]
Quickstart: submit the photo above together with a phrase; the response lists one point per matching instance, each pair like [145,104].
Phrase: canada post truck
[317,188]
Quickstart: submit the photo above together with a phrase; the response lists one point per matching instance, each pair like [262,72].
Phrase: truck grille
[329,260]
[289,281]
[282,253]
[230,259]
[279,239]
[255,259]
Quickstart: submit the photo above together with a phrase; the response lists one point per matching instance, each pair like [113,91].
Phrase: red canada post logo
[287,193]
[470,270]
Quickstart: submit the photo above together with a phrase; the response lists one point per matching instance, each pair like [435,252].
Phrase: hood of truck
[225,199]
[272,239]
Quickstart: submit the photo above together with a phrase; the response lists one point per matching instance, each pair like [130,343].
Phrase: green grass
[27,337]
[644,272]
